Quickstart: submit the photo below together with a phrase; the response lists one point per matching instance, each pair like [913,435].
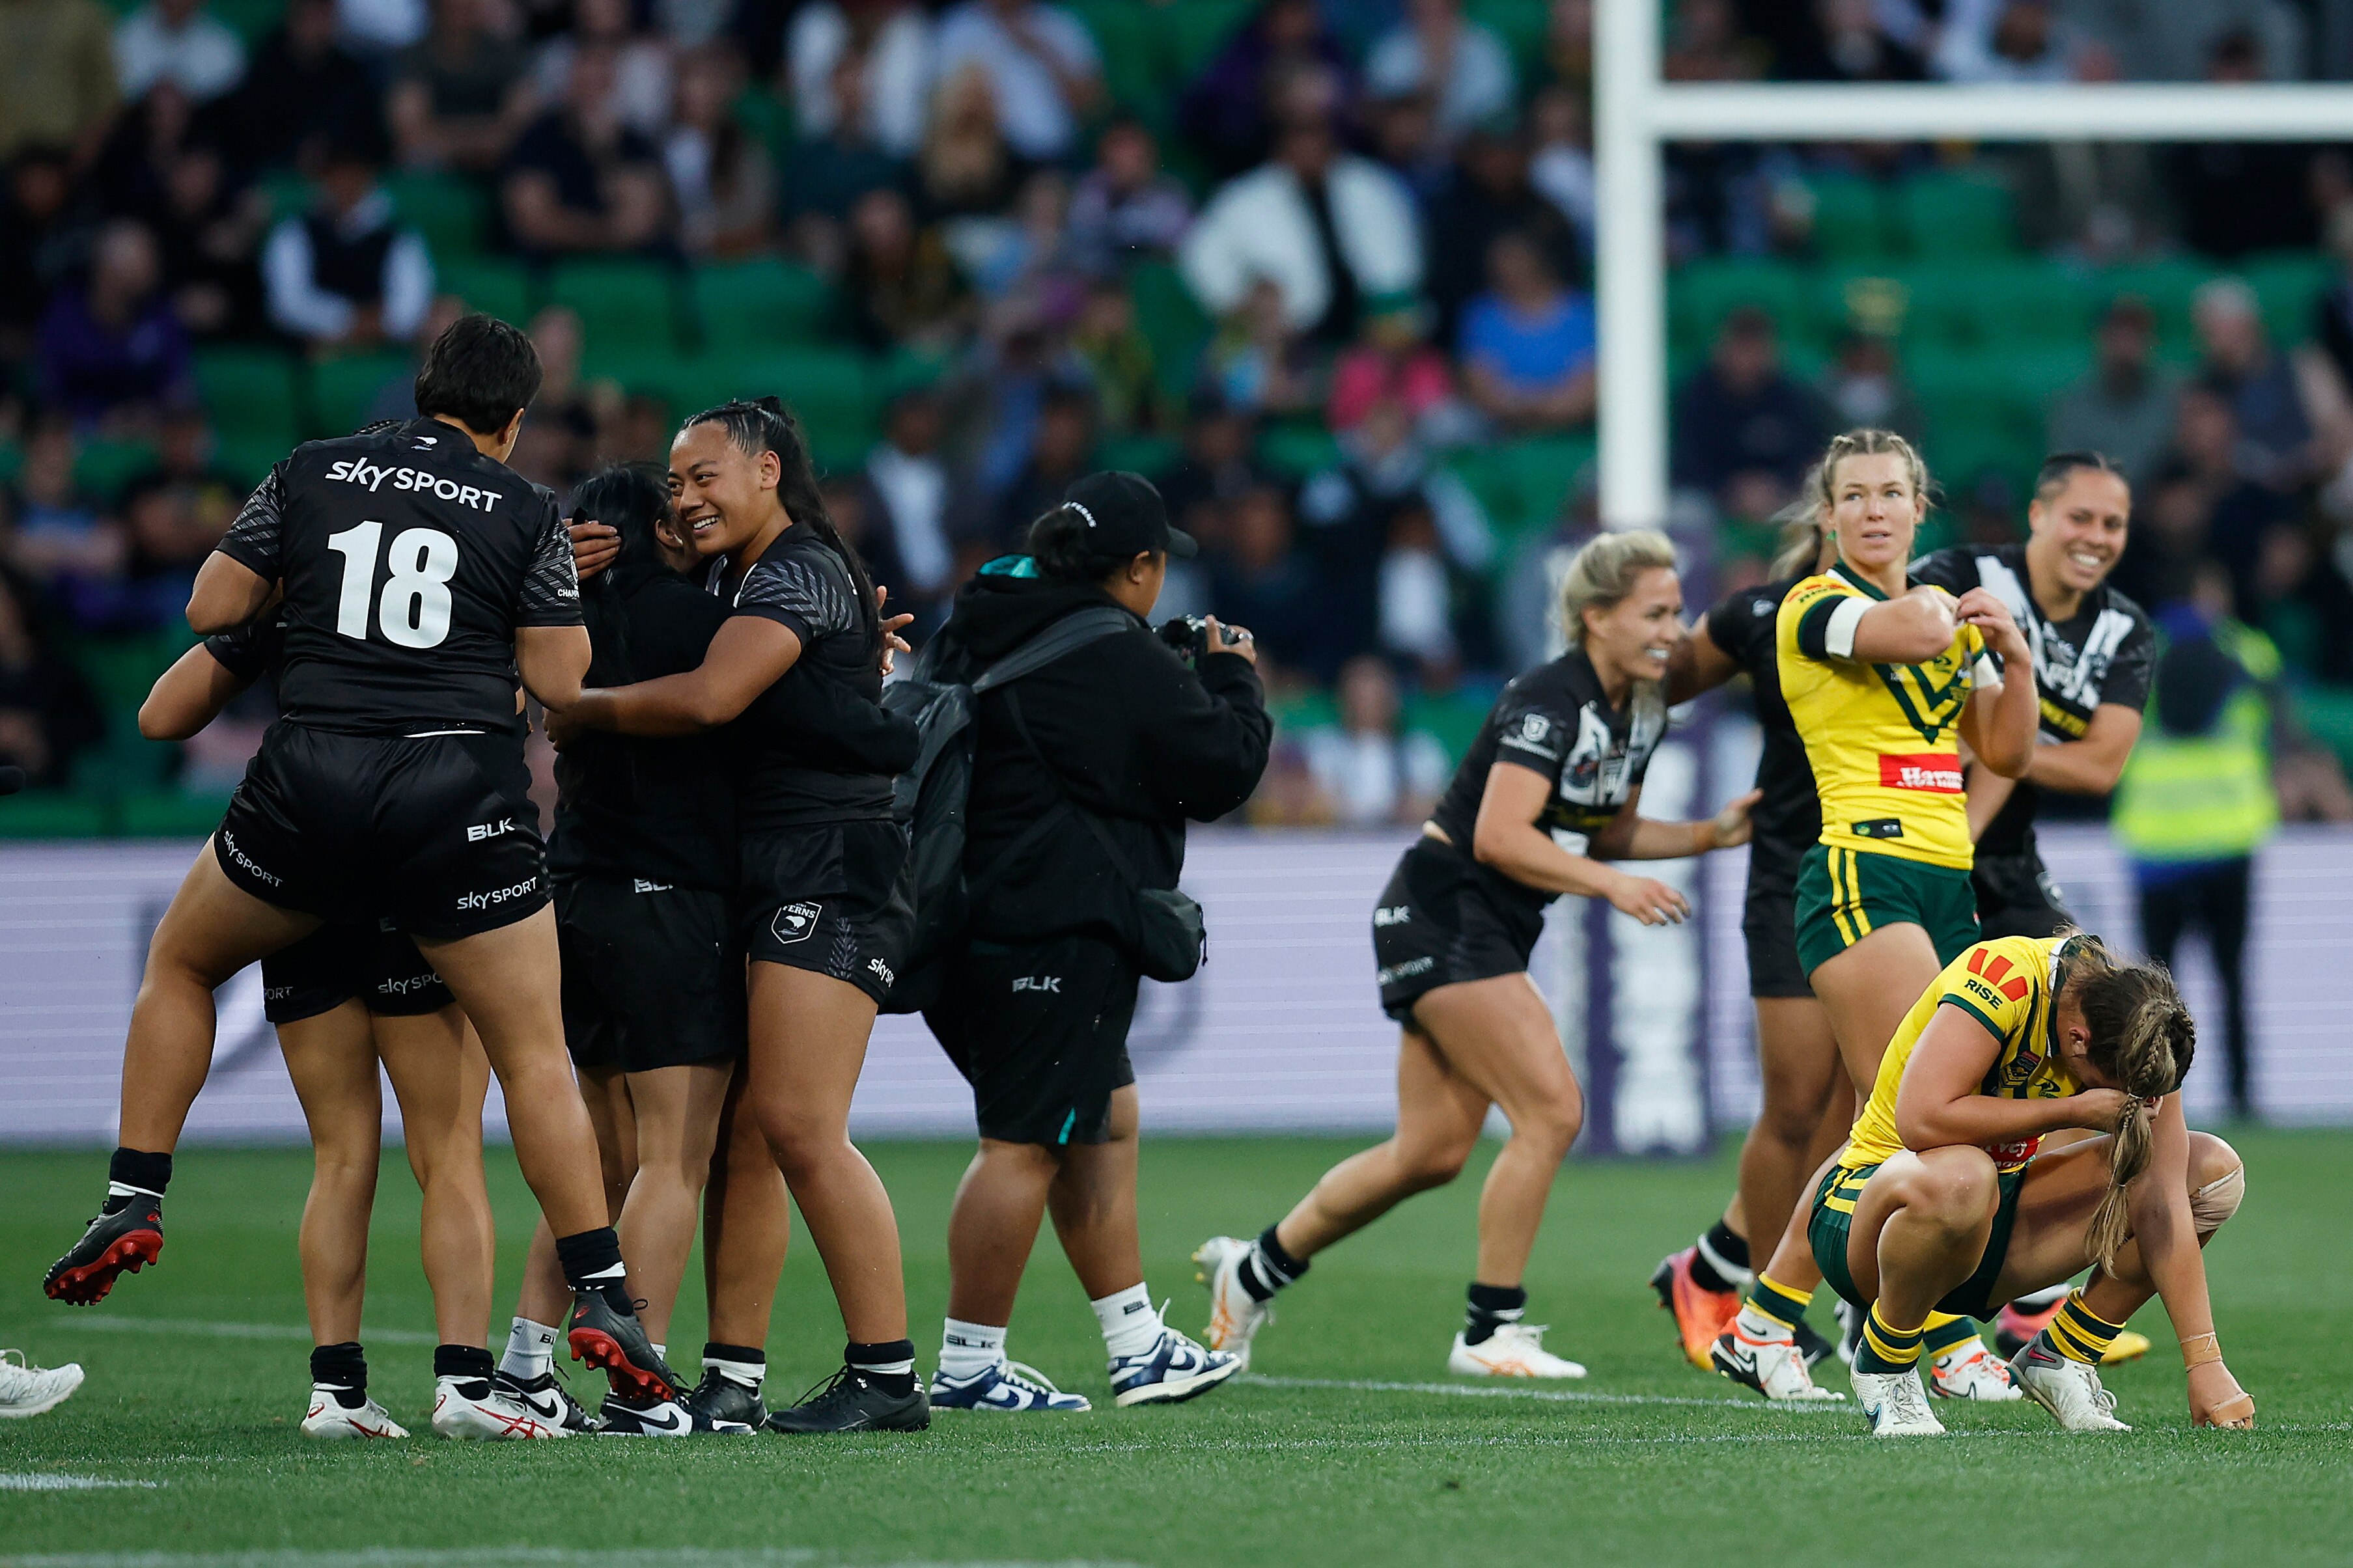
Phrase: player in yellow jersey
[2023,1126]
[1885,681]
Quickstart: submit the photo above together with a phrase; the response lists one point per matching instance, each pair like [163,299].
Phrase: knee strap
[2217,1201]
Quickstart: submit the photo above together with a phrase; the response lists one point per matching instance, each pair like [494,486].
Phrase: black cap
[1125,516]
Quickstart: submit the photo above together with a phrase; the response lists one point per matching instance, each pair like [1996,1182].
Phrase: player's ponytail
[1803,524]
[2142,1041]
[760,424]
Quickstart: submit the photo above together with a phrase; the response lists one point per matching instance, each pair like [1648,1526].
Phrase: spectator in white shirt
[1041,59]
[1327,229]
[1375,773]
[892,41]
[1462,65]
[177,41]
[641,64]
[2015,41]
[344,273]
[381,27]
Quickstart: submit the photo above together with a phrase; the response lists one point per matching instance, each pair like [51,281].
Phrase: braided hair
[2142,1039]
[760,424]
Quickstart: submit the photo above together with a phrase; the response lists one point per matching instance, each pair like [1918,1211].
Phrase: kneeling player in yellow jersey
[2024,1125]
[1885,679]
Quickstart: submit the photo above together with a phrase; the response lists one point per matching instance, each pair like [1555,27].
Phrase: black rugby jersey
[2105,654]
[1790,818]
[660,811]
[409,560]
[1554,719]
[804,755]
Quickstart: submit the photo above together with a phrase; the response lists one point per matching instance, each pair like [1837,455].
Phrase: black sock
[471,1363]
[1720,1244]
[134,1168]
[1492,1306]
[592,1261]
[888,1366]
[1268,1268]
[342,1368]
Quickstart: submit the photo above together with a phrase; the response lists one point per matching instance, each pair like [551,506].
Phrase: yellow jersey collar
[1858,583]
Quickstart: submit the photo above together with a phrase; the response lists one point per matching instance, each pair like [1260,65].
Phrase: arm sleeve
[247,652]
[1204,738]
[1534,730]
[1737,623]
[1813,604]
[1955,570]
[255,540]
[2129,673]
[550,595]
[800,595]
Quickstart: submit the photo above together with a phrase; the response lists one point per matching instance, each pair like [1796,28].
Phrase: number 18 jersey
[409,560]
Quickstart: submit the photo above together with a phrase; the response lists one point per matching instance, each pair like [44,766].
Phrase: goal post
[1636,115]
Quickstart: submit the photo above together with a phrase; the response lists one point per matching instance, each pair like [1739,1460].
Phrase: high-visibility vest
[2205,797]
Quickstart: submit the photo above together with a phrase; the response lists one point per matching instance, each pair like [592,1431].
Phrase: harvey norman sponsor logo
[1938,772]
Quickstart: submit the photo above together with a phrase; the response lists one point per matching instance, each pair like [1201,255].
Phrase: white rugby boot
[330,1420]
[29,1390]
[2069,1389]
[1969,1371]
[1774,1368]
[1235,1315]
[470,1409]
[1896,1404]
[1513,1350]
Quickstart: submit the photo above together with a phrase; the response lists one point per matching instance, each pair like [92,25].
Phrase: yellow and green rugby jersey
[1882,738]
[2008,984]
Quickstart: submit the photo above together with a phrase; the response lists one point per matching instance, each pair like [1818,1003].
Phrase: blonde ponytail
[2142,1040]
[1803,524]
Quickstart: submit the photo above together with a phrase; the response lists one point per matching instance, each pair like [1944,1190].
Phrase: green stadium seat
[1546,469]
[344,389]
[1299,448]
[168,814]
[1944,215]
[1130,45]
[450,211]
[835,393]
[2166,285]
[1524,26]
[2288,283]
[1169,315]
[251,18]
[51,814]
[103,466]
[1453,716]
[1146,454]
[621,304]
[247,458]
[762,303]
[251,392]
[2325,711]
[1851,219]
[2027,303]
[496,287]
[1701,293]
[1194,31]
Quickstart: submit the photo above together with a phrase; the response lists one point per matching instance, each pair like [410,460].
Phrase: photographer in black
[1084,774]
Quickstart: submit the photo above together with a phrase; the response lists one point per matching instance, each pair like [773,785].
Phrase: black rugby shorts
[652,974]
[436,832]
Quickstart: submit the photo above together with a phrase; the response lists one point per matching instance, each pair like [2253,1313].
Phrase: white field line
[56,1483]
[207,1329]
[1547,1395]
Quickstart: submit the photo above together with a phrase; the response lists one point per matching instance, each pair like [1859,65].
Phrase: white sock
[1758,1326]
[1131,1324]
[750,1374]
[125,1190]
[529,1348]
[969,1348]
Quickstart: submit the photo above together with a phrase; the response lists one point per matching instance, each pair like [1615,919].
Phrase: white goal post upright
[1636,115]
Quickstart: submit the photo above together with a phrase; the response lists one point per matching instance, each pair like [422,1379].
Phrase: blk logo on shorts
[1052,983]
[794,922]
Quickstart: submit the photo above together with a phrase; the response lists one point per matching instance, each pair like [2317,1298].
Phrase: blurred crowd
[1321,267]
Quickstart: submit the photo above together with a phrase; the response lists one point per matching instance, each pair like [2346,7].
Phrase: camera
[1189,635]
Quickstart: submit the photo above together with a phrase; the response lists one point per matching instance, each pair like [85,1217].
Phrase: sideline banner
[1280,1031]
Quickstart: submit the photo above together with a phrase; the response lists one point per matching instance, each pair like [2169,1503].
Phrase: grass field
[1347,1444]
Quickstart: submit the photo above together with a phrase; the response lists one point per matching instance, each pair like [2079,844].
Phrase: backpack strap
[1070,633]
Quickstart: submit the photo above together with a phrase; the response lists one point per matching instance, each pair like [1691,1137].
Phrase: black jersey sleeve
[249,652]
[1955,570]
[256,539]
[2135,666]
[800,595]
[1535,726]
[1741,624]
[550,592]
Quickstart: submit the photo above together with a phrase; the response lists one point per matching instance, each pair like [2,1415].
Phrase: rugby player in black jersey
[419,577]
[824,897]
[1564,750]
[2095,653]
[342,999]
[1807,1098]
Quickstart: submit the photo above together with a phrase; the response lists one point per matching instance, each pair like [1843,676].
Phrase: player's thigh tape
[2217,1201]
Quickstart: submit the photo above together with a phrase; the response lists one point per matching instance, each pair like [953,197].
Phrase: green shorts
[1833,1217]
[1844,895]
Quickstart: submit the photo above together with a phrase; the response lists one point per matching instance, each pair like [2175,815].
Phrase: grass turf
[1304,1462]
